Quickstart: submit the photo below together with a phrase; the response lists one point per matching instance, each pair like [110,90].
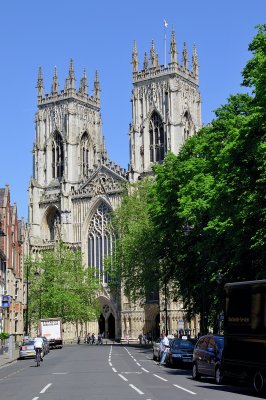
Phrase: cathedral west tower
[166,107]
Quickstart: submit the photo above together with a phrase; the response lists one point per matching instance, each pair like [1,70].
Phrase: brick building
[11,272]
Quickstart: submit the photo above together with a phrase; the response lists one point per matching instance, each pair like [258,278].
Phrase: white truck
[51,328]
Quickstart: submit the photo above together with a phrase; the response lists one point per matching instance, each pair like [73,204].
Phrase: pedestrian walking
[164,346]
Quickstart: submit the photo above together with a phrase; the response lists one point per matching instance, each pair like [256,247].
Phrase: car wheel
[218,376]
[258,382]
[195,372]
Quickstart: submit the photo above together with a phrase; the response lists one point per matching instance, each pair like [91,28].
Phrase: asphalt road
[108,372]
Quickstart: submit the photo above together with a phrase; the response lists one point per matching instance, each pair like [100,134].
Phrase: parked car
[26,350]
[180,352]
[46,349]
[156,347]
[207,357]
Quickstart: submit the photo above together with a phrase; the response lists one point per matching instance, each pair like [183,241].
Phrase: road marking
[60,373]
[131,372]
[45,388]
[144,369]
[186,390]
[114,369]
[35,398]
[157,376]
[110,364]
[138,364]
[121,376]
[135,388]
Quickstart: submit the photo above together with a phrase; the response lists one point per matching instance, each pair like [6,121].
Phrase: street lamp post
[165,308]
[27,300]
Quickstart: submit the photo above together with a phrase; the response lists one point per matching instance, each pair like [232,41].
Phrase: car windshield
[28,343]
[183,344]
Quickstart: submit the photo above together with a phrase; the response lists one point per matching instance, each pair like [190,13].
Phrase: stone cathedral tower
[166,107]
[74,185]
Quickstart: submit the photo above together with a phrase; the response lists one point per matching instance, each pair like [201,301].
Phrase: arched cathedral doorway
[101,324]
[111,326]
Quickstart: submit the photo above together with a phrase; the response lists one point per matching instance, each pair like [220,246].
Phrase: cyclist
[38,345]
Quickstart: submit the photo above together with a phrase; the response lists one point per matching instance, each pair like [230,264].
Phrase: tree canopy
[61,286]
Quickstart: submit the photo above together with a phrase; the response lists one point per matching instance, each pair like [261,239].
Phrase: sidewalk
[7,358]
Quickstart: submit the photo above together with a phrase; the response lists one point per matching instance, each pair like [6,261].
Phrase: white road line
[60,373]
[45,388]
[135,388]
[157,376]
[138,364]
[114,369]
[35,398]
[145,370]
[186,390]
[110,364]
[121,376]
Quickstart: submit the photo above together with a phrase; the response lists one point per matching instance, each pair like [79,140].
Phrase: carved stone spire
[157,62]
[173,50]
[83,83]
[97,86]
[40,86]
[153,55]
[55,85]
[185,56]
[70,83]
[135,59]
[195,62]
[146,61]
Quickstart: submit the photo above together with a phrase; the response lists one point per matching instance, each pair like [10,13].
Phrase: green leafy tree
[216,186]
[60,286]
[135,260]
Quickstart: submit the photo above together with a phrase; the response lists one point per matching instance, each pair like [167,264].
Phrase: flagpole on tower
[165,27]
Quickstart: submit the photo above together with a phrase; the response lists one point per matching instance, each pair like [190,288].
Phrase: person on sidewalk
[164,346]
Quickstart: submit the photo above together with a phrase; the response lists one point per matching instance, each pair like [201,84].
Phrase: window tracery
[157,139]
[100,241]
[57,156]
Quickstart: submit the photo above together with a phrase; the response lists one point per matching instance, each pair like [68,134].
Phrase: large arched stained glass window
[57,156]
[157,139]
[100,241]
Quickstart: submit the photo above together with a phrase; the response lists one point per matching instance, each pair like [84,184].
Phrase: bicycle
[38,356]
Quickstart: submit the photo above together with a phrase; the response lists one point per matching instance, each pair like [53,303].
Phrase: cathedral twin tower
[74,184]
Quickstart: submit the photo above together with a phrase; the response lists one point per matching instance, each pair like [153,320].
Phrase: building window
[100,241]
[157,139]
[57,156]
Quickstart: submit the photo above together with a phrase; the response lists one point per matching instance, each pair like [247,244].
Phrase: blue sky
[99,35]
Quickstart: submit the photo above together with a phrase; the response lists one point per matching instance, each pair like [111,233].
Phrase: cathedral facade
[75,186]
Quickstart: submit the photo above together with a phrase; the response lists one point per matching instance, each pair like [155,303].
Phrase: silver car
[156,347]
[27,349]
[156,352]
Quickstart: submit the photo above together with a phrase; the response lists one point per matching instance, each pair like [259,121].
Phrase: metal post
[27,300]
[165,308]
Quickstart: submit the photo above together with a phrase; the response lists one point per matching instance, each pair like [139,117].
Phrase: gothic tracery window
[100,241]
[187,126]
[57,156]
[157,139]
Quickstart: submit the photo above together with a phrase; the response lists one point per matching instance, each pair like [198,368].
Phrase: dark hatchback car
[207,357]
[180,352]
